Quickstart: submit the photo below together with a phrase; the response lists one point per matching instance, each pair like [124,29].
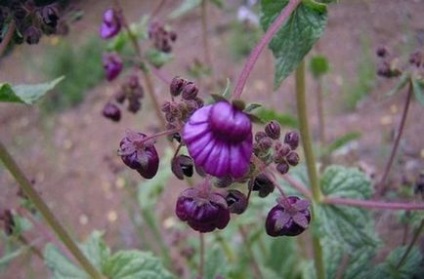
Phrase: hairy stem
[375,204]
[398,137]
[42,207]
[7,37]
[254,55]
[302,113]
[413,241]
[255,265]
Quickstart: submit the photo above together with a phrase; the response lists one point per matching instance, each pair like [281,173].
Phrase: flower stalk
[44,210]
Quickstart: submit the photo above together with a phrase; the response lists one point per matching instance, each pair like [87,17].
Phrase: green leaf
[319,66]
[135,264]
[341,141]
[158,58]
[227,93]
[418,86]
[251,107]
[185,7]
[122,39]
[411,267]
[349,227]
[60,266]
[403,80]
[95,249]
[296,38]
[267,115]
[26,93]
[286,264]
[215,264]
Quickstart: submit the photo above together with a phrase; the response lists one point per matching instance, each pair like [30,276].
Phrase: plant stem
[42,207]
[255,265]
[408,250]
[398,137]
[254,55]
[202,255]
[7,37]
[31,247]
[375,204]
[158,7]
[317,196]
[147,79]
[205,36]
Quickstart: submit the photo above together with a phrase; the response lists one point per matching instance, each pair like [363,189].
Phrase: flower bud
[290,217]
[111,24]
[177,85]
[182,165]
[382,51]
[273,130]
[283,167]
[262,184]
[112,65]
[8,221]
[281,153]
[120,96]
[112,112]
[223,182]
[50,15]
[236,201]
[134,104]
[190,91]
[265,144]
[32,35]
[292,139]
[416,59]
[260,135]
[138,155]
[293,158]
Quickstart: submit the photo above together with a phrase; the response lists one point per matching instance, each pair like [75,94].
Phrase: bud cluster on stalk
[161,36]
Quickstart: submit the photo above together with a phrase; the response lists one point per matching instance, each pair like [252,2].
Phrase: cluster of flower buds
[31,21]
[178,111]
[132,92]
[270,149]
[387,66]
[161,37]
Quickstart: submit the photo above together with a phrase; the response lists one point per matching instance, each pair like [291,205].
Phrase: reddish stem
[254,55]
[375,204]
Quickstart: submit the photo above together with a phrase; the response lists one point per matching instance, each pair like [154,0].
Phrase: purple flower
[290,217]
[112,64]
[203,211]
[138,155]
[111,24]
[219,139]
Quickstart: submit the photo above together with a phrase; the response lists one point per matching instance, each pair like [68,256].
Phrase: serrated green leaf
[349,227]
[95,249]
[135,264]
[319,66]
[296,38]
[411,267]
[341,141]
[286,120]
[403,80]
[185,7]
[26,93]
[286,263]
[60,266]
[158,58]
[418,88]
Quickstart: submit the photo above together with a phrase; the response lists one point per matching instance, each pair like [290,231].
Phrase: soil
[71,155]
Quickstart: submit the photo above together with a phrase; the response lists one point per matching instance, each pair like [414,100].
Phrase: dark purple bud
[177,85]
[190,91]
[223,182]
[265,143]
[260,135]
[283,167]
[292,139]
[50,15]
[166,107]
[32,35]
[281,153]
[204,212]
[273,130]
[112,64]
[416,58]
[8,221]
[293,158]
[112,112]
[181,166]
[172,36]
[236,201]
[263,184]
[382,51]
[139,155]
[111,24]
[120,96]
[134,104]
[290,217]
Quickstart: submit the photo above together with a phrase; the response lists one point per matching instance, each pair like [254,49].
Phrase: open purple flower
[203,211]
[112,64]
[111,24]
[219,139]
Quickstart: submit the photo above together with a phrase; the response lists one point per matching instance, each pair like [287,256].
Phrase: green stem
[413,241]
[310,159]
[42,207]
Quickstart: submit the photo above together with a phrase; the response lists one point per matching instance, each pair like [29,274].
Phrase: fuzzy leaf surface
[60,266]
[297,36]
[26,93]
[346,226]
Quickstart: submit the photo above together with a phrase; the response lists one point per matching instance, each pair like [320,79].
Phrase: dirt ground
[71,155]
